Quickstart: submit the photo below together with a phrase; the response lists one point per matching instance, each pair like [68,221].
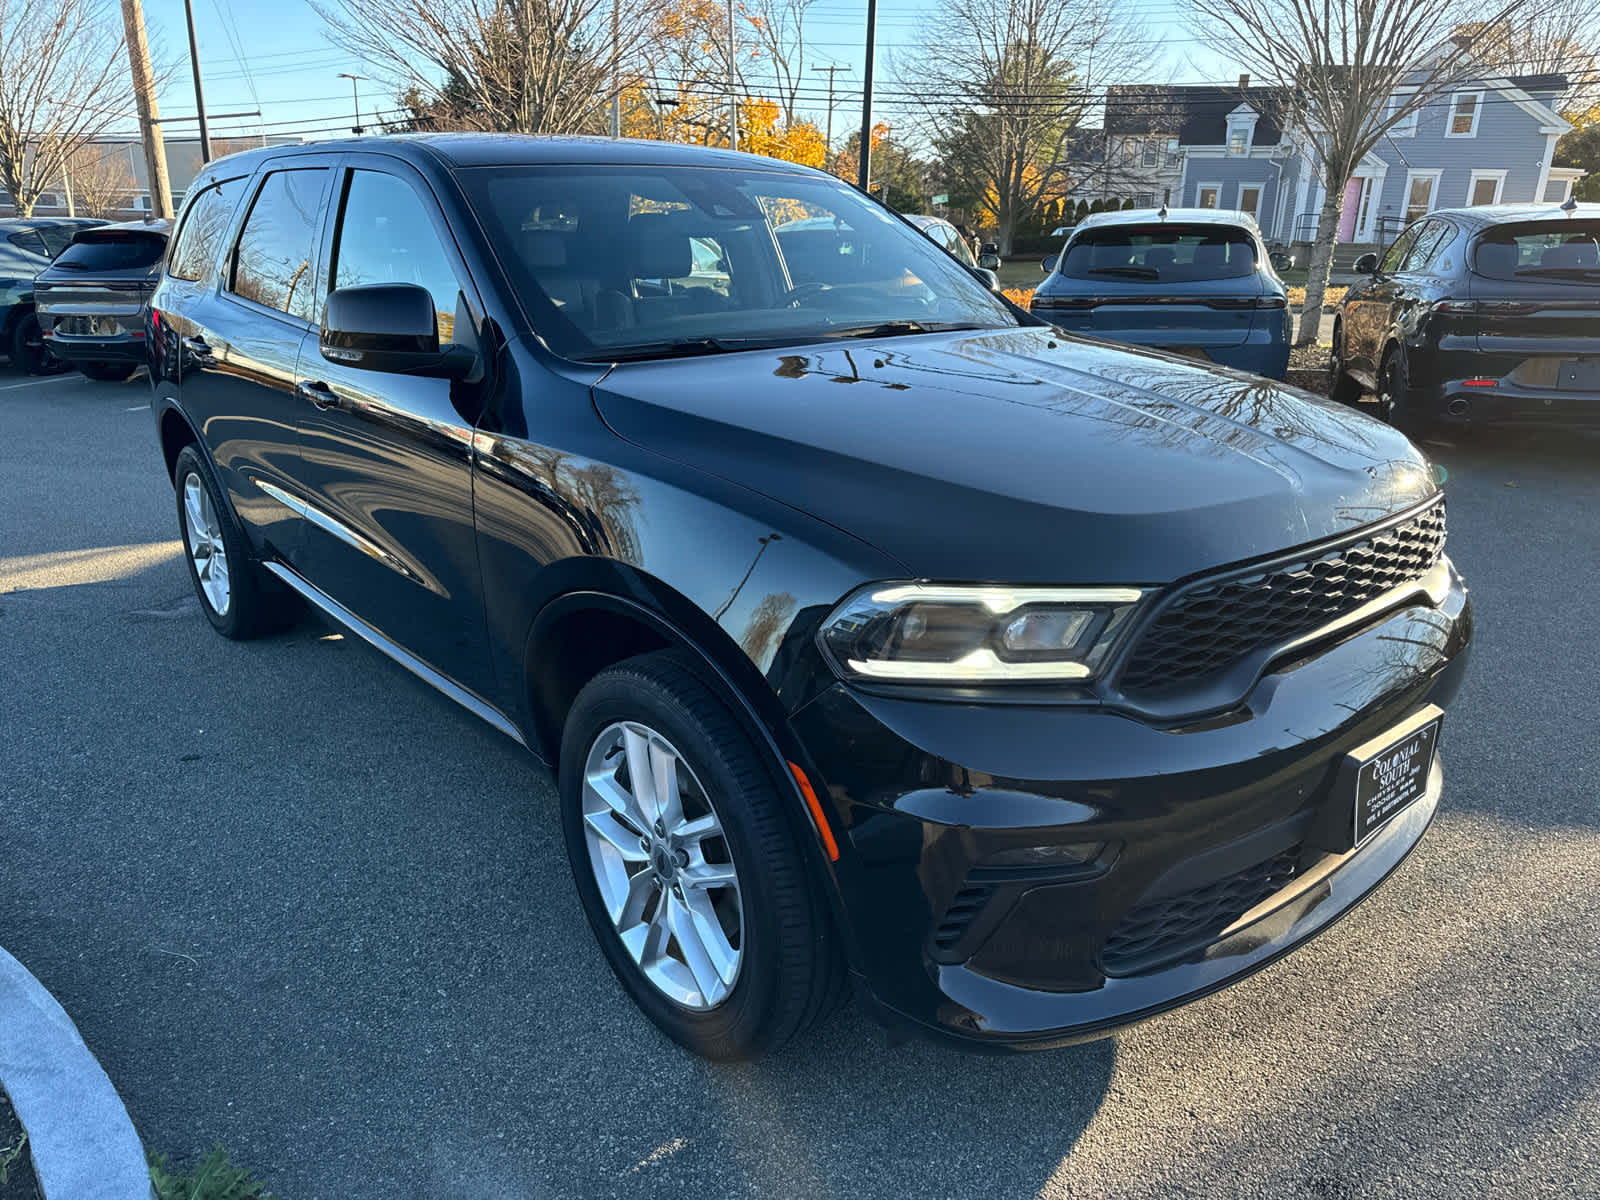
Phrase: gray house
[1223,147]
[1488,144]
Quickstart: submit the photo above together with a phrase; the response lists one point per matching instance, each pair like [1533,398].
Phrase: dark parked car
[881,636]
[27,244]
[1194,281]
[91,300]
[1485,315]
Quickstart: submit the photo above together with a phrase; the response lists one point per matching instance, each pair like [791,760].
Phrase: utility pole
[199,92]
[733,93]
[831,72]
[355,95]
[616,68]
[864,177]
[144,93]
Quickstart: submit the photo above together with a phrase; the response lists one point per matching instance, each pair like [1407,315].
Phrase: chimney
[1244,82]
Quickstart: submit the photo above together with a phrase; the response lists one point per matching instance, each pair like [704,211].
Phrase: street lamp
[357,128]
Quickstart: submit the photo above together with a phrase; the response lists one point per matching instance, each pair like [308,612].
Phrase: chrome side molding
[470,701]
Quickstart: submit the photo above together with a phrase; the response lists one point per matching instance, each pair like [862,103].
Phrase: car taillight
[1066,303]
[1455,306]
[1238,302]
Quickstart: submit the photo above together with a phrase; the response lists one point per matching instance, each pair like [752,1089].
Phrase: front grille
[1160,930]
[964,906]
[1213,624]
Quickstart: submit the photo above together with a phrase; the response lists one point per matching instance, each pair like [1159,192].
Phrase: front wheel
[686,865]
[1340,386]
[1395,403]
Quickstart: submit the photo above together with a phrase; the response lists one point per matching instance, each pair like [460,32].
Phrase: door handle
[317,392]
[197,348]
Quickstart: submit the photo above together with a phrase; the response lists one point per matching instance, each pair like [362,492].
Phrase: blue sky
[285,65]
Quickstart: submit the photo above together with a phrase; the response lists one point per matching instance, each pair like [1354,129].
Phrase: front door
[386,466]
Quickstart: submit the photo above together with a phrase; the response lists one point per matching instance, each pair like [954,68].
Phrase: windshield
[619,262]
[1163,253]
[116,251]
[1562,249]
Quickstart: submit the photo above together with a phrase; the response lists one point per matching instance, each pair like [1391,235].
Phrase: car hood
[1022,455]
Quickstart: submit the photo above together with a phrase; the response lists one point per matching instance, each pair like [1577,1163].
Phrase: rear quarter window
[113,251]
[199,243]
[1164,253]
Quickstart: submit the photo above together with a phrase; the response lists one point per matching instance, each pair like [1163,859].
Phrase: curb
[83,1143]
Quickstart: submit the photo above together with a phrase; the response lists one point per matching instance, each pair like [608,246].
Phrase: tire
[241,601]
[784,971]
[1395,402]
[109,372]
[29,354]
[1341,387]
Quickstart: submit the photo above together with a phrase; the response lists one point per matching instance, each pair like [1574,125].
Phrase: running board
[332,608]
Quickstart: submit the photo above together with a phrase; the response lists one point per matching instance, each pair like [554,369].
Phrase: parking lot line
[11,387]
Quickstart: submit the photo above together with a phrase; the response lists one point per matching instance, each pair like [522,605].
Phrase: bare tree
[63,81]
[1007,83]
[510,66]
[102,182]
[1353,70]
[1554,37]
[780,33]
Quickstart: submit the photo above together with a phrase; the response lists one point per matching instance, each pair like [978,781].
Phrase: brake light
[1455,306]
[1480,382]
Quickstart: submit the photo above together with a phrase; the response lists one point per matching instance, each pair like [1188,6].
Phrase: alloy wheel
[206,549]
[663,865]
[1389,388]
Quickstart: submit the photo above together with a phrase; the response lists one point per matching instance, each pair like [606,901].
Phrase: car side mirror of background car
[1367,264]
[987,277]
[989,260]
[1049,263]
[389,327]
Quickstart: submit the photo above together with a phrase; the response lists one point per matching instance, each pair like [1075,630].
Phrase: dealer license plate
[1394,777]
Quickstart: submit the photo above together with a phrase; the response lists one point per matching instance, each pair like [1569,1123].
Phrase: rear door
[1536,286]
[239,342]
[386,460]
[1369,307]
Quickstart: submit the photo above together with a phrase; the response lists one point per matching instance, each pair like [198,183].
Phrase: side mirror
[989,260]
[988,278]
[1049,264]
[389,327]
[1367,264]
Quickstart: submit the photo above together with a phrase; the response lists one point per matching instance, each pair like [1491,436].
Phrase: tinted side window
[1432,238]
[385,237]
[57,238]
[1398,251]
[272,264]
[199,242]
[30,241]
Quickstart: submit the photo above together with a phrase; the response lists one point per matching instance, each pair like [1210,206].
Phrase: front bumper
[929,792]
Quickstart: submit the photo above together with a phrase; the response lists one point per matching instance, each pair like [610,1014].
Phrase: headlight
[975,634]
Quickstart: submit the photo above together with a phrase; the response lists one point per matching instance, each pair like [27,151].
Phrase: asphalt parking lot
[300,905]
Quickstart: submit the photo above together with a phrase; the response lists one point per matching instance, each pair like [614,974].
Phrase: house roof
[1197,114]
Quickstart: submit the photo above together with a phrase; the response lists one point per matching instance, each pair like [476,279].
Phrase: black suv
[91,301]
[880,633]
[1483,316]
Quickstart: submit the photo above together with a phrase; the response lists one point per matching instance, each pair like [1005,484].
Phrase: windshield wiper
[676,348]
[1130,272]
[902,328]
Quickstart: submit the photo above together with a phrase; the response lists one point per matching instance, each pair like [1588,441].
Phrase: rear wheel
[1340,386]
[109,372]
[1395,403]
[29,353]
[686,865]
[239,598]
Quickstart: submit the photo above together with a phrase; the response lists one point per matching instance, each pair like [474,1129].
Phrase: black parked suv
[879,633]
[1485,316]
[91,300]
[27,244]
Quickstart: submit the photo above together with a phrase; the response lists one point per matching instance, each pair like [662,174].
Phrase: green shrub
[213,1178]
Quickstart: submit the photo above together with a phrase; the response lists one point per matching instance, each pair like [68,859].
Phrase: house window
[1421,187]
[1172,150]
[1145,200]
[1407,125]
[1485,187]
[1464,112]
[1250,201]
[1209,196]
[1555,192]
[1238,138]
[1152,153]
[47,200]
